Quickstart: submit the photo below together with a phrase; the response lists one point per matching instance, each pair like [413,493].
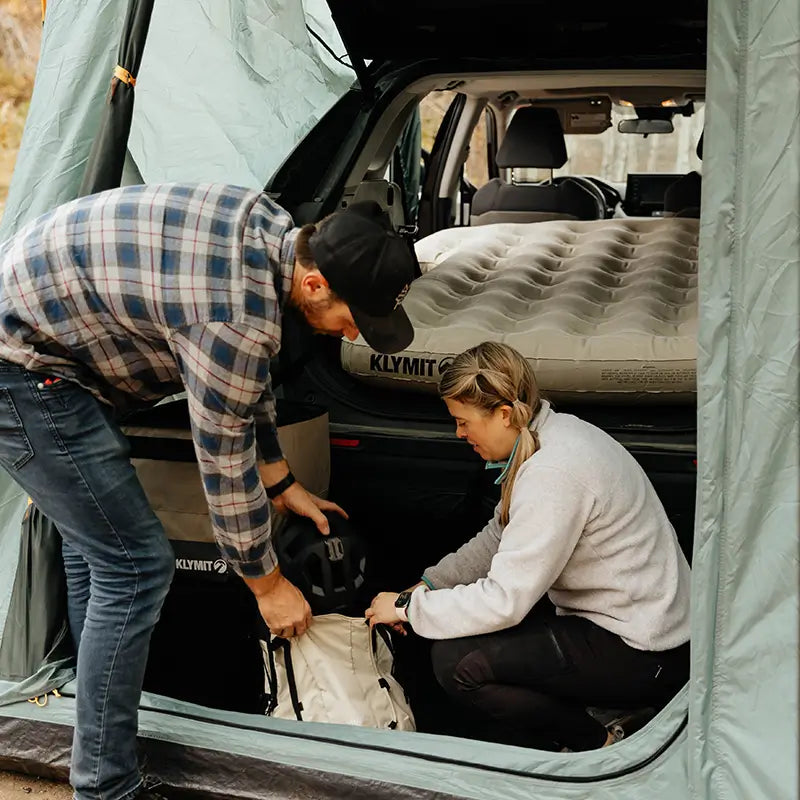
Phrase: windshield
[611,155]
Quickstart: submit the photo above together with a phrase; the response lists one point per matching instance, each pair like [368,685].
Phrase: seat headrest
[533,139]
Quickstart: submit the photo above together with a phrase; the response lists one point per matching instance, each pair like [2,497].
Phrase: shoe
[627,724]
[617,732]
[622,723]
[151,791]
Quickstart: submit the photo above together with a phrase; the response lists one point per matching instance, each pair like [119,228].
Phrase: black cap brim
[389,334]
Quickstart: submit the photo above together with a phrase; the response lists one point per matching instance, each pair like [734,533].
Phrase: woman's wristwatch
[401,605]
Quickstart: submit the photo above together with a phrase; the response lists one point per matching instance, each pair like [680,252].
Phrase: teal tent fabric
[187,123]
[744,688]
[741,736]
[36,630]
[19,604]
[78,50]
[285,81]
[107,156]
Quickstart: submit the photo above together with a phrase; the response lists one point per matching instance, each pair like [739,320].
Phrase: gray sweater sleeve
[548,513]
[471,561]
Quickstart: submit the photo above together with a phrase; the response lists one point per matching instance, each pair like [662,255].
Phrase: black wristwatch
[401,604]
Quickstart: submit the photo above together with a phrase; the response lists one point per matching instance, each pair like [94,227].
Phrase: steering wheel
[610,195]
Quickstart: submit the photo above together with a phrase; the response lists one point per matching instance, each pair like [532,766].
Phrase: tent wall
[188,122]
[12,508]
[741,741]
[238,757]
[744,689]
[45,635]
[78,50]
[196,53]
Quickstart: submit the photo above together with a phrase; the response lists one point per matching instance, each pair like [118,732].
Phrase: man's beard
[312,311]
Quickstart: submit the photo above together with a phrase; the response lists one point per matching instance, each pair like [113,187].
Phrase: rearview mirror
[645,126]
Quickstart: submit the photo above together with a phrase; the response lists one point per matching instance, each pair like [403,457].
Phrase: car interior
[575,240]
[592,276]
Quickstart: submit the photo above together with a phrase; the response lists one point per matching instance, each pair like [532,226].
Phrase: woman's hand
[382,610]
[399,627]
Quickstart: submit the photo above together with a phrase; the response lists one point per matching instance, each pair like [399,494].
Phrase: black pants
[530,685]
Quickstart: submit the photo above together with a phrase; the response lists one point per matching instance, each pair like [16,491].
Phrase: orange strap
[122,74]
[44,9]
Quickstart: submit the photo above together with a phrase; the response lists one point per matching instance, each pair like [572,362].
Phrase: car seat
[534,139]
[682,198]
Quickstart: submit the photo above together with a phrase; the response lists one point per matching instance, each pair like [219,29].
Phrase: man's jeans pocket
[50,389]
[15,447]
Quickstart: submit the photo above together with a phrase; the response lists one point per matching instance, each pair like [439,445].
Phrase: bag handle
[286,646]
[272,679]
[383,632]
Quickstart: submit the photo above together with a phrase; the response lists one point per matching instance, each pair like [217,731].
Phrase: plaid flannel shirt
[141,292]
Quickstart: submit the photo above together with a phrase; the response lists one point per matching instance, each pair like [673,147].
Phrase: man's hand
[281,604]
[298,499]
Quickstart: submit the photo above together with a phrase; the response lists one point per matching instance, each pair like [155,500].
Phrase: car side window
[476,170]
[407,166]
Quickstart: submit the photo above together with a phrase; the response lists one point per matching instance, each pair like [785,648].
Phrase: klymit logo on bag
[335,548]
[218,566]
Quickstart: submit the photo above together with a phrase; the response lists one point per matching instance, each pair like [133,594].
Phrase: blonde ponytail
[491,375]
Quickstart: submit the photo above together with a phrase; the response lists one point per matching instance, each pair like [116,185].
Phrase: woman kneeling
[575,594]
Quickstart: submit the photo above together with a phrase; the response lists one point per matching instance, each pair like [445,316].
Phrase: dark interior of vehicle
[644,193]
[412,489]
[413,500]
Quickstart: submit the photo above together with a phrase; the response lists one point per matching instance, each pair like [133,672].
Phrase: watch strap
[402,603]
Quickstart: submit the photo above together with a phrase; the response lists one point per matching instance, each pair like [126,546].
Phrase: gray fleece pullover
[587,528]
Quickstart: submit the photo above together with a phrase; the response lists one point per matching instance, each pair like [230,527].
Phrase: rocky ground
[23,787]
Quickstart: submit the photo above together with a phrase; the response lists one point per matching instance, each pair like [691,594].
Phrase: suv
[421,114]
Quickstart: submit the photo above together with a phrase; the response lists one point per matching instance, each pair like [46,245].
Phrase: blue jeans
[64,448]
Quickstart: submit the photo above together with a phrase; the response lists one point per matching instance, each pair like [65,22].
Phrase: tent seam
[720,620]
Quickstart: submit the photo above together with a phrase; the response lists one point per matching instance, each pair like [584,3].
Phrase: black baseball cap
[370,266]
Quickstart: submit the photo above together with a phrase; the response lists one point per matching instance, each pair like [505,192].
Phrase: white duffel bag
[338,671]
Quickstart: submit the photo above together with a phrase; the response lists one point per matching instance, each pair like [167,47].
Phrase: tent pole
[107,157]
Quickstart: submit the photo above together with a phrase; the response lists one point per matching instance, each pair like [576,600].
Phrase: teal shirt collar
[544,412]
[503,465]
